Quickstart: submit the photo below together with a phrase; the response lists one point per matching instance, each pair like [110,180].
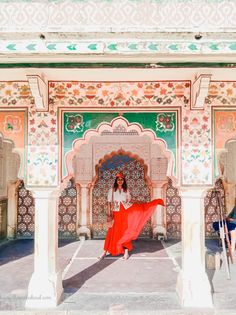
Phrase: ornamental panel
[173,211]
[135,177]
[211,207]
[67,211]
[25,213]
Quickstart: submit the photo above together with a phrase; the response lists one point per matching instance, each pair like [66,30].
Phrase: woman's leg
[103,255]
[126,254]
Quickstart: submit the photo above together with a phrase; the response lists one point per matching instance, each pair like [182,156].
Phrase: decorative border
[101,16]
[131,46]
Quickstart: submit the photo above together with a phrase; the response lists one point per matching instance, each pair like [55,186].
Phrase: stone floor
[144,284]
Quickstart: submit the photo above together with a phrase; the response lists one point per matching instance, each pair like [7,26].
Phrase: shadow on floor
[16,249]
[74,283]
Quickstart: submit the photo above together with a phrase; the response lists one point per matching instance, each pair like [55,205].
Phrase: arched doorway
[87,155]
[135,173]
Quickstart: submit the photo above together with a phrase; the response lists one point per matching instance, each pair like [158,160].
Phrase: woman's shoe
[126,256]
[102,256]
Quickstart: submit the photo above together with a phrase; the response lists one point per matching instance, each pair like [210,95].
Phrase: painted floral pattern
[222,93]
[43,148]
[196,151]
[12,124]
[15,94]
[165,122]
[196,147]
[119,94]
[74,123]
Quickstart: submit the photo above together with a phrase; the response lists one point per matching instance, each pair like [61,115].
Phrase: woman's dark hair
[124,185]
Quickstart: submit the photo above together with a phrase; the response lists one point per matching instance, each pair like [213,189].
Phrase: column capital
[194,192]
[45,192]
[84,184]
[159,184]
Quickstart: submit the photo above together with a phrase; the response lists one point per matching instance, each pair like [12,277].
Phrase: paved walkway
[144,284]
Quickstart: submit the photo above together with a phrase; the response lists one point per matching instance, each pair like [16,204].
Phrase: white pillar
[158,218]
[193,286]
[84,205]
[45,287]
[12,208]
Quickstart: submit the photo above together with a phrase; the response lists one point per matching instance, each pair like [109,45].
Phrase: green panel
[90,121]
[76,124]
[148,121]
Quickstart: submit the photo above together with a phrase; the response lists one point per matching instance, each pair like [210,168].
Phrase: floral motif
[222,93]
[12,124]
[74,123]
[165,122]
[15,94]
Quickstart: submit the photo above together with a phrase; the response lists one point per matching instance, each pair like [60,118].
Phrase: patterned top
[119,197]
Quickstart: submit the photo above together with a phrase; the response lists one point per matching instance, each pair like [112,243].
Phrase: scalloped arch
[111,127]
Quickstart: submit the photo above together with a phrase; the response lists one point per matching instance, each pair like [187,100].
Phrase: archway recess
[139,185]
[82,161]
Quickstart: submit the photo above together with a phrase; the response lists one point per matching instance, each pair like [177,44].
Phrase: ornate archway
[117,136]
[139,185]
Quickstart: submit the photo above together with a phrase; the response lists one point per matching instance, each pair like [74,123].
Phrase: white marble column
[193,286]
[12,208]
[45,287]
[158,217]
[84,204]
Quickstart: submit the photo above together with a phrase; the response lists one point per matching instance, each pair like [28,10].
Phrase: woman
[128,218]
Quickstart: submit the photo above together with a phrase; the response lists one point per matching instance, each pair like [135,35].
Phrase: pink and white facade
[73,111]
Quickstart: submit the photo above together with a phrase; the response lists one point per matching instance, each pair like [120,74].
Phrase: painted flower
[90,92]
[12,124]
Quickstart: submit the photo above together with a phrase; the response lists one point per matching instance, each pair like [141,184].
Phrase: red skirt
[127,225]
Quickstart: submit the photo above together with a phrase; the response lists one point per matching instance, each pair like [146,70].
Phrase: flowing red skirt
[127,225]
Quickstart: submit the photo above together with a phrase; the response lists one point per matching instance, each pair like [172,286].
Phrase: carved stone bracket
[39,91]
[200,90]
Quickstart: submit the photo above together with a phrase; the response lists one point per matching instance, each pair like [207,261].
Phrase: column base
[44,292]
[159,232]
[84,231]
[194,290]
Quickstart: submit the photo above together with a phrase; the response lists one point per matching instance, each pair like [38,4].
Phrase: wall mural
[195,146]
[118,94]
[224,129]
[162,123]
[13,126]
